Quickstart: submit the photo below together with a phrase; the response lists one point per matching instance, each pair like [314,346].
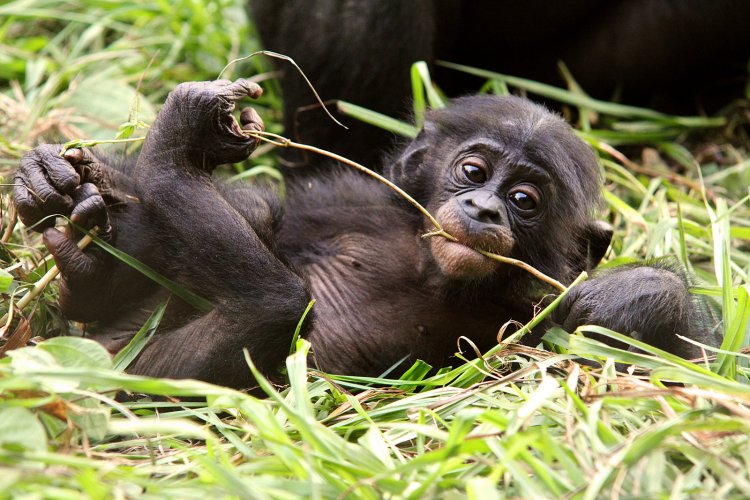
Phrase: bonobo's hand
[75,185]
[195,127]
[650,303]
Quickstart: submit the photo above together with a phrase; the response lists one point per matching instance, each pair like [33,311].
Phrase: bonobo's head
[505,175]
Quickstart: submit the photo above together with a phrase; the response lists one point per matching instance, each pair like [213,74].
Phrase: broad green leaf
[101,96]
[20,429]
[31,358]
[77,352]
[90,416]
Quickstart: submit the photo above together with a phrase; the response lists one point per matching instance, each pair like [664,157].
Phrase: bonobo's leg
[652,303]
[209,246]
[259,205]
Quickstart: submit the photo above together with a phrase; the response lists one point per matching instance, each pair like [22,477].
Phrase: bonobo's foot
[651,303]
[74,185]
[196,128]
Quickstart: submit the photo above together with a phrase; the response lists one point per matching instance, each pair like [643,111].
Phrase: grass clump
[517,422]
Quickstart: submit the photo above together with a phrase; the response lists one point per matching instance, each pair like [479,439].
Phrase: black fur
[667,54]
[383,292]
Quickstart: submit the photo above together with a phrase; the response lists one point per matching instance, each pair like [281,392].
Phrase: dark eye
[525,196]
[474,170]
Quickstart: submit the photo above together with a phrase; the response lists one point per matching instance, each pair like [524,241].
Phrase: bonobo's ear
[594,242]
[407,169]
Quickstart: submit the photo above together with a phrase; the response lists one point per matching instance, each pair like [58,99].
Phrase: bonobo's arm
[651,303]
[209,246]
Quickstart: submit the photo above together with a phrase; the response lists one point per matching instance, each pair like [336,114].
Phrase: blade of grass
[127,354]
[723,271]
[191,298]
[379,120]
[583,101]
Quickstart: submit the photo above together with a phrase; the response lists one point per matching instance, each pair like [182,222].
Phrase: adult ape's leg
[209,247]
[351,53]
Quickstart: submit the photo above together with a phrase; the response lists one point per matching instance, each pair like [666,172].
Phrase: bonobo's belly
[371,342]
[373,311]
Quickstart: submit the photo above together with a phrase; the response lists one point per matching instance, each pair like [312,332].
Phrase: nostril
[483,207]
[480,213]
[488,215]
[468,203]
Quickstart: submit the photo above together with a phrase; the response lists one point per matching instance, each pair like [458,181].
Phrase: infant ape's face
[491,194]
[508,177]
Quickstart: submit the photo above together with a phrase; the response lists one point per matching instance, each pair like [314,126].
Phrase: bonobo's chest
[379,300]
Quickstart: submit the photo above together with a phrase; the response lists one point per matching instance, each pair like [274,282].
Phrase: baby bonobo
[499,173]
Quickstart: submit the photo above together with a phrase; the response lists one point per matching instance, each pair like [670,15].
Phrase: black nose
[483,206]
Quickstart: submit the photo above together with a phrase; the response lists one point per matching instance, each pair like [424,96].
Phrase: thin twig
[12,221]
[284,142]
[293,63]
[439,231]
[526,267]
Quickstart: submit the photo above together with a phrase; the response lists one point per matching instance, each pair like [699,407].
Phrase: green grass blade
[421,84]
[191,298]
[736,333]
[583,101]
[127,354]
[379,120]
[723,271]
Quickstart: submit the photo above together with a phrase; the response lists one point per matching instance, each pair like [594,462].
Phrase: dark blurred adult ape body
[674,55]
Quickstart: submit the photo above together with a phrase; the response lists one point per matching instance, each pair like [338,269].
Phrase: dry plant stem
[640,169]
[439,231]
[45,280]
[525,267]
[81,143]
[13,219]
[284,142]
[293,63]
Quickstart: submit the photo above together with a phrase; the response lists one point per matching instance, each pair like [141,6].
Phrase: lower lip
[465,253]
